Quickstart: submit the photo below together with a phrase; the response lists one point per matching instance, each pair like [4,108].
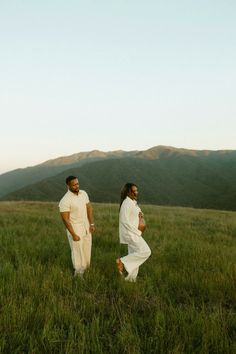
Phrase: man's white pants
[81,251]
[138,253]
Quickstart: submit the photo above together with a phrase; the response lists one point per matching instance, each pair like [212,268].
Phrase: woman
[131,227]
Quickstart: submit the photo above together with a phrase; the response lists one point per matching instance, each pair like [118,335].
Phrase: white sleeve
[86,197]
[64,205]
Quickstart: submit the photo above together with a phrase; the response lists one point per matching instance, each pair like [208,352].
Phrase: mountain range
[165,176]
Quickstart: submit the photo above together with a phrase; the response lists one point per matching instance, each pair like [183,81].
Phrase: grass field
[183,302]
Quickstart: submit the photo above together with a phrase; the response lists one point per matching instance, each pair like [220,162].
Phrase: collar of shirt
[132,200]
[74,194]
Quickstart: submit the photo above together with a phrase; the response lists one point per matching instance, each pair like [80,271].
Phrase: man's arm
[90,216]
[65,215]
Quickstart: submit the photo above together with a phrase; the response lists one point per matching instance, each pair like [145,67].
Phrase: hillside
[16,179]
[19,178]
[205,181]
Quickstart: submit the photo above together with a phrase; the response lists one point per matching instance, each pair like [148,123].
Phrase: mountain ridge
[165,176]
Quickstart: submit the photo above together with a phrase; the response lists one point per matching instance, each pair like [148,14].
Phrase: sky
[115,74]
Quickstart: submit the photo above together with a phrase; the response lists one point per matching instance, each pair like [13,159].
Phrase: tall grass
[183,302]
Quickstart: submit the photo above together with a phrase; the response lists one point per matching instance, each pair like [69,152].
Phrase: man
[77,214]
[131,227]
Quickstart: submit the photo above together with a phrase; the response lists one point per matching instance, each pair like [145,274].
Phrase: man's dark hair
[125,191]
[70,178]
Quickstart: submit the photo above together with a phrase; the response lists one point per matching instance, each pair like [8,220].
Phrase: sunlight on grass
[183,302]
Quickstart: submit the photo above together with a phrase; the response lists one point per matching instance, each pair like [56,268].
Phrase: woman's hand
[142,224]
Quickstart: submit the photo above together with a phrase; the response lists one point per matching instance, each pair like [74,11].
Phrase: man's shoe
[120,266]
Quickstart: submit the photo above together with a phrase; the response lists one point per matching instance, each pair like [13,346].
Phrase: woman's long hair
[125,191]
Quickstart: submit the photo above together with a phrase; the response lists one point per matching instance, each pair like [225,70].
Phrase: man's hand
[76,238]
[92,228]
[66,219]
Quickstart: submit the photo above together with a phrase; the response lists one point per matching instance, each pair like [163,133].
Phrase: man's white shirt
[76,206]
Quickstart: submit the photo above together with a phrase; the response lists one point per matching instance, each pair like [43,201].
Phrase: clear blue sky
[115,74]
